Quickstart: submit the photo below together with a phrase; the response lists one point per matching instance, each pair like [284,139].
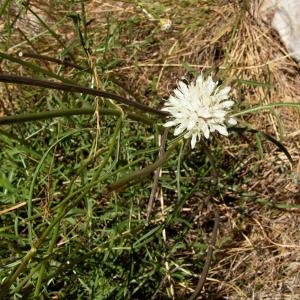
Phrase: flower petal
[222,130]
[227,104]
[170,123]
[232,121]
[205,130]
[181,128]
[199,108]
[193,141]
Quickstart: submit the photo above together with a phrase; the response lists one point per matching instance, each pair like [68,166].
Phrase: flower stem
[43,266]
[139,175]
[265,107]
[69,112]
[68,87]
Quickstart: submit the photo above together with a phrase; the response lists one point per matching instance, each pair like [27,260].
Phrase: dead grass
[259,250]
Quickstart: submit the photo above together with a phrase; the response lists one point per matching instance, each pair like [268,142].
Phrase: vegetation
[100,201]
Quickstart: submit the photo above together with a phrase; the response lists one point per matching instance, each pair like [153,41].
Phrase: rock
[284,16]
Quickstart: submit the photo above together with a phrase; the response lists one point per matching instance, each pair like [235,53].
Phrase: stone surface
[284,16]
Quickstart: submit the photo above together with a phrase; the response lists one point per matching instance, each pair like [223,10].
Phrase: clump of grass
[97,200]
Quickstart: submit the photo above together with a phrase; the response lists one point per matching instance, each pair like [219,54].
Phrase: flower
[165,24]
[199,108]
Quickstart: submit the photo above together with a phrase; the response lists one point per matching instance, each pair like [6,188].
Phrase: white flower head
[165,24]
[199,108]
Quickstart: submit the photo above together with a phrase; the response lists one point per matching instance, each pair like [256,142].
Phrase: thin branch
[156,176]
[210,250]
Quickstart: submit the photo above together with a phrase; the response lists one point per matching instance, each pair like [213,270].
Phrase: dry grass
[259,256]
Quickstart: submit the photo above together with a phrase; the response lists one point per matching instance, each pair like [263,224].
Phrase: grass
[97,200]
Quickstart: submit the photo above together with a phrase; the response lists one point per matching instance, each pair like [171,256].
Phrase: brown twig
[210,250]
[211,246]
[156,175]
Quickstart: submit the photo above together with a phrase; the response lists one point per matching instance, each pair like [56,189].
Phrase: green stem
[43,266]
[78,89]
[26,280]
[3,7]
[4,288]
[139,175]
[48,115]
[69,112]
[266,107]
